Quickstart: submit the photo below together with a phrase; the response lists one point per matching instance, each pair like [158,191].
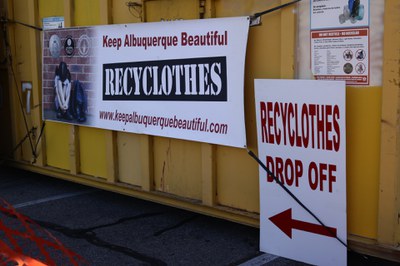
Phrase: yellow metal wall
[363,154]
[389,183]
[22,63]
[213,179]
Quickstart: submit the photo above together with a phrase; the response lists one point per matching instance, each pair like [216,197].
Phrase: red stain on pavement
[24,243]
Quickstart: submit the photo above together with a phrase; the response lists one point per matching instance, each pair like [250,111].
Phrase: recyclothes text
[191,79]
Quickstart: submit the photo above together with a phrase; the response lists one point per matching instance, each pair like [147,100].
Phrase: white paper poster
[340,40]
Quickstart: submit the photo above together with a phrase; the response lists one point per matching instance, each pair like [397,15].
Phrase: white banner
[179,79]
[301,131]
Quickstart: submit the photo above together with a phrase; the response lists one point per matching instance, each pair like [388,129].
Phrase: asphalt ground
[51,220]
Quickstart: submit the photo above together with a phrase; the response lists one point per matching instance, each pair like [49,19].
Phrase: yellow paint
[57,144]
[36,96]
[93,152]
[50,8]
[208,174]
[237,180]
[363,149]
[177,167]
[112,157]
[24,69]
[130,170]
[171,10]
[86,12]
[22,61]
[288,42]
[121,14]
[147,162]
[232,8]
[389,187]
[105,12]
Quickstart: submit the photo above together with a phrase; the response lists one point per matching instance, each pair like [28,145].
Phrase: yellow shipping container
[211,179]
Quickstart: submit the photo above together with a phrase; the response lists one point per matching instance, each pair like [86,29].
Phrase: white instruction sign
[341,55]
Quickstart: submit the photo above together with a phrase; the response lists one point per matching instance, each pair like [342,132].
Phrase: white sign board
[178,79]
[335,14]
[53,23]
[301,139]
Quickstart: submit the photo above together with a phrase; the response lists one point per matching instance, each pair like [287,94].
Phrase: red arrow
[285,222]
